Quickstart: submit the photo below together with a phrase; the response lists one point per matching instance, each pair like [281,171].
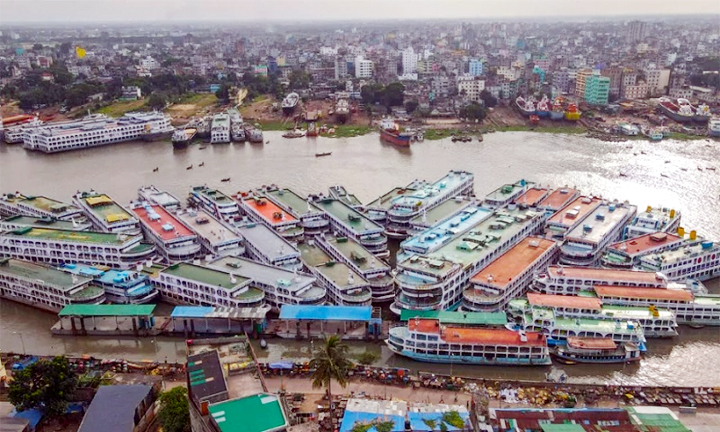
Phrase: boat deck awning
[219,312]
[106,310]
[326,313]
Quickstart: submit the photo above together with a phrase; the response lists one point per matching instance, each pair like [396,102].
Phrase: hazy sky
[59,11]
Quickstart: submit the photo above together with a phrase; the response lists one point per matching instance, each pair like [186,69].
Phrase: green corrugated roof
[257,413]
[447,317]
[107,310]
[562,427]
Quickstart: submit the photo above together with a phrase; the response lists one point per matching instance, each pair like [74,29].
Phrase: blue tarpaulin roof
[191,311]
[417,423]
[326,313]
[281,365]
[351,417]
[32,415]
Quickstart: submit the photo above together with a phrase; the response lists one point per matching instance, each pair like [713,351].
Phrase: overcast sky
[57,11]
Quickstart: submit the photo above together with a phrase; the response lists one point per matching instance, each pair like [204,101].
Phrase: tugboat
[390,132]
[181,138]
[290,102]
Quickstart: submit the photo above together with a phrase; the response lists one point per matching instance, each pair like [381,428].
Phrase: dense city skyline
[64,11]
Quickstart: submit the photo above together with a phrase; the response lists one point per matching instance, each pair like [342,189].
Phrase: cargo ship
[557,112]
[290,102]
[543,107]
[342,108]
[181,138]
[525,106]
[392,133]
[681,111]
[572,112]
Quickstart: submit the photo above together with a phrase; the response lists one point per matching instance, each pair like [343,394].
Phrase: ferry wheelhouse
[627,253]
[345,221]
[505,194]
[584,244]
[428,340]
[313,220]
[44,287]
[438,215]
[56,247]
[344,286]
[39,206]
[654,219]
[656,323]
[437,280]
[696,259]
[571,280]
[689,308]
[96,130]
[265,245]
[596,350]
[570,216]
[216,203]
[175,242]
[217,238]
[159,197]
[557,329]
[190,283]
[281,286]
[420,196]
[15,222]
[509,275]
[261,210]
[375,271]
[120,286]
[106,214]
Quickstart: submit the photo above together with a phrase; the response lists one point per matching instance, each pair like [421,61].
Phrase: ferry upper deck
[532,196]
[558,199]
[19,221]
[162,223]
[433,238]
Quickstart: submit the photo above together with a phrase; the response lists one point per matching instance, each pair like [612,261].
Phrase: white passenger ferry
[428,340]
[375,271]
[281,286]
[509,275]
[216,203]
[38,206]
[570,216]
[106,214]
[220,129]
[627,253]
[557,329]
[261,210]
[564,280]
[655,322]
[96,130]
[120,286]
[56,247]
[696,259]
[313,220]
[344,286]
[15,222]
[505,194]
[437,280]
[217,238]
[689,308]
[557,200]
[440,214]
[654,219]
[15,134]
[44,287]
[403,204]
[174,240]
[267,246]
[345,221]
[159,197]
[584,243]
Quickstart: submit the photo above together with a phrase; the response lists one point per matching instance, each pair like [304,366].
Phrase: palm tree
[330,362]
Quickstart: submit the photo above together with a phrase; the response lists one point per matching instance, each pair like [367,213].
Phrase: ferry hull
[675,116]
[492,361]
[288,110]
[565,359]
[542,113]
[181,144]
[397,139]
[557,115]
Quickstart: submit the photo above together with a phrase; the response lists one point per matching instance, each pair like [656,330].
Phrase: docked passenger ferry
[159,197]
[596,350]
[261,210]
[345,221]
[654,321]
[45,287]
[174,240]
[12,204]
[216,203]
[429,340]
[218,238]
[121,286]
[106,214]
[313,220]
[654,219]
[564,280]
[696,259]
[627,253]
[95,130]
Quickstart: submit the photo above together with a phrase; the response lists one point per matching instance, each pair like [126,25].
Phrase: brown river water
[672,173]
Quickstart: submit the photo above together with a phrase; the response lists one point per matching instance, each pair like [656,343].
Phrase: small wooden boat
[203,147]
[189,168]
[156,169]
[323,154]
[226,179]
[202,164]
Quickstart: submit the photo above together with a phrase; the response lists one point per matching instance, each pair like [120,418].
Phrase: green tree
[174,412]
[487,98]
[367,358]
[157,101]
[223,93]
[37,47]
[394,94]
[330,362]
[47,384]
[474,111]
[411,106]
